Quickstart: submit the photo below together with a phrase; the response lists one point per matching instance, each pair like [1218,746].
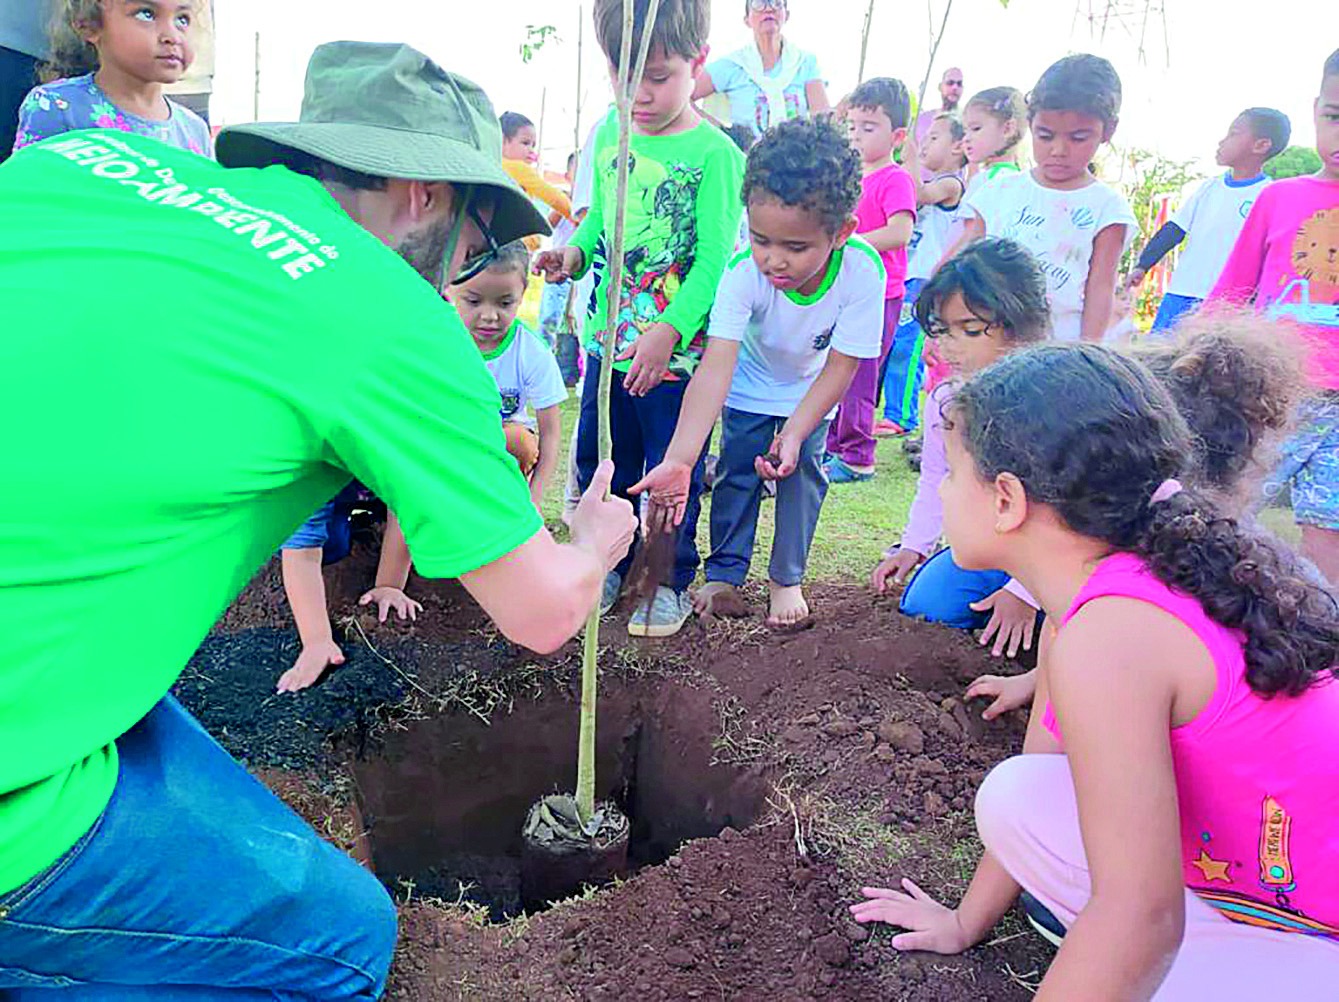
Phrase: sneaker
[663,616]
[613,586]
[1041,919]
[840,473]
[883,428]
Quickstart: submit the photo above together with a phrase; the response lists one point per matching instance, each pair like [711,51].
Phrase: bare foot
[719,598]
[787,607]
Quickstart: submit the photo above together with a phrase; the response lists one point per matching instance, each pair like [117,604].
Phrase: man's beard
[425,251]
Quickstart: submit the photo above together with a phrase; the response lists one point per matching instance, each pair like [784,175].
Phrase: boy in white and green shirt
[794,315]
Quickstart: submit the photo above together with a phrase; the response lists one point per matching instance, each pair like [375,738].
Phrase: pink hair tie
[1168,490]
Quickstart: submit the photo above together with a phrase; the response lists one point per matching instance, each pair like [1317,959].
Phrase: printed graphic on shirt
[1315,254]
[1274,874]
[661,239]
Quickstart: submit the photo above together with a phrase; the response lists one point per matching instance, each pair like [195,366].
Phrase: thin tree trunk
[629,78]
[934,51]
[864,41]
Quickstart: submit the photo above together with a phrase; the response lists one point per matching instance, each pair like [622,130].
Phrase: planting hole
[445,798]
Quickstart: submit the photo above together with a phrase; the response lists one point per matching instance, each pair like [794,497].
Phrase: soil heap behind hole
[446,798]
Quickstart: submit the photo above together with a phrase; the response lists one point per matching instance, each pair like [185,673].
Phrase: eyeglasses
[474,265]
[761,5]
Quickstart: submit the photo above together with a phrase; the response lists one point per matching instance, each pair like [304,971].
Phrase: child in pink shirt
[1183,833]
[879,110]
[1286,261]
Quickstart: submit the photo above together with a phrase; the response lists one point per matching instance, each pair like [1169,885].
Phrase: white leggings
[1029,821]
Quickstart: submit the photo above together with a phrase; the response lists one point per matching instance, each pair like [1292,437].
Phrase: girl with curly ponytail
[1174,806]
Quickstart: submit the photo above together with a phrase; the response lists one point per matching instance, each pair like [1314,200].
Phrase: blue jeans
[1171,310]
[196,884]
[905,370]
[737,494]
[942,592]
[641,429]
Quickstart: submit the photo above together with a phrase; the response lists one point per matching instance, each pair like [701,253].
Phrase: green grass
[859,521]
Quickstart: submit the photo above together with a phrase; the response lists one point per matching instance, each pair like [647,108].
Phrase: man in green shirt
[197,358]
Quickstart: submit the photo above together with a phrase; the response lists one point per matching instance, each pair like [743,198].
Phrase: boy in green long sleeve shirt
[682,220]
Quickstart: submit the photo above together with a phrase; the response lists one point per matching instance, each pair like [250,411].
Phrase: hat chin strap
[466,193]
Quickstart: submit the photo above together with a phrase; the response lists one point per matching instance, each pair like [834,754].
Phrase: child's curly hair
[71,54]
[1236,378]
[809,163]
[1098,467]
[1083,83]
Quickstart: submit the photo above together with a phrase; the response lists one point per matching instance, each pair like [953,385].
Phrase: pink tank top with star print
[1257,779]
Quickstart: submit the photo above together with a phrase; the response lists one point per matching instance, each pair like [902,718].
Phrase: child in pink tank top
[1184,833]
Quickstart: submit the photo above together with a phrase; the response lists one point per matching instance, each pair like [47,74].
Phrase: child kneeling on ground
[524,366]
[325,539]
[986,301]
[794,317]
[1174,805]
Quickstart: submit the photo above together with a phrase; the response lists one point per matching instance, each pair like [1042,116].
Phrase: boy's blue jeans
[641,429]
[737,495]
[195,884]
[942,592]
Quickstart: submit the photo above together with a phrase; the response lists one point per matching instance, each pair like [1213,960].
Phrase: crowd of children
[1097,499]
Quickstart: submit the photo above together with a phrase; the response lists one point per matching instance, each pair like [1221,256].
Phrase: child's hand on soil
[388,597]
[558,265]
[931,926]
[894,569]
[1012,622]
[667,485]
[1009,691]
[780,461]
[311,664]
[650,355]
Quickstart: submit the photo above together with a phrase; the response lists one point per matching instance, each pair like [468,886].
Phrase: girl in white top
[994,123]
[1076,226]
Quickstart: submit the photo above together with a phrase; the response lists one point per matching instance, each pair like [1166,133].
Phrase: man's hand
[650,355]
[930,925]
[311,664]
[894,569]
[1009,692]
[558,265]
[1012,622]
[388,597]
[604,526]
[781,459]
[667,485]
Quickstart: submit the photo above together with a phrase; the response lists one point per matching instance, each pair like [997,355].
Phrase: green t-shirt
[682,225]
[195,360]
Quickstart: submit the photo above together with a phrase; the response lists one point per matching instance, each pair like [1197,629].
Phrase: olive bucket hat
[389,111]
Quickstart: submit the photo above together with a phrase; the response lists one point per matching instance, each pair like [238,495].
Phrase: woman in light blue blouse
[770,80]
